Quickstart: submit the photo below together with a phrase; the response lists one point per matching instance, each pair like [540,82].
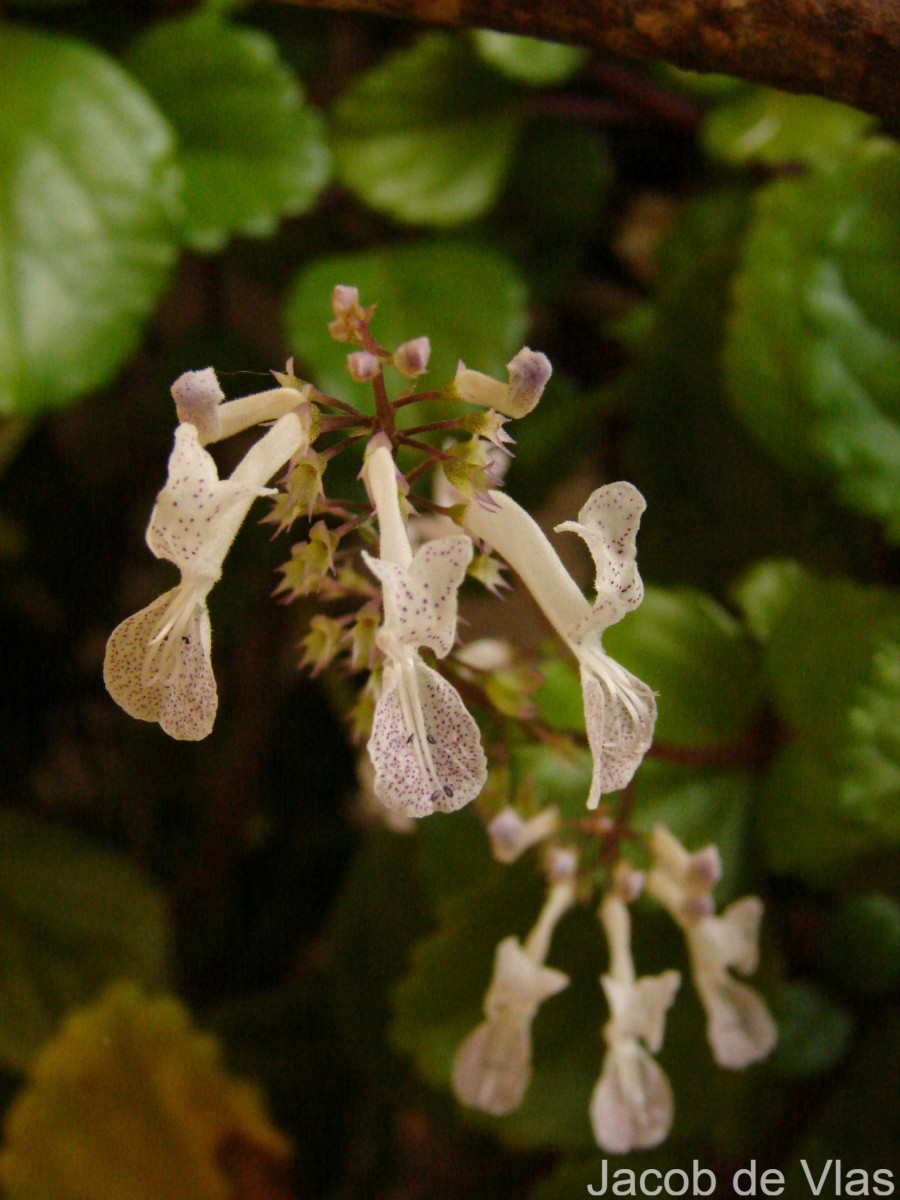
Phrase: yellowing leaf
[131,1102]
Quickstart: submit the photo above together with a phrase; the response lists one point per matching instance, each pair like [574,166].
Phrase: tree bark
[847,50]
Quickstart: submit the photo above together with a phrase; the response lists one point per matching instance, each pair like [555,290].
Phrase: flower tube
[620,710]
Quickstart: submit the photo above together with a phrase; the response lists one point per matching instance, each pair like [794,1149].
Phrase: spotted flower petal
[631,1106]
[425,746]
[620,715]
[196,514]
[492,1068]
[420,600]
[608,522]
[185,701]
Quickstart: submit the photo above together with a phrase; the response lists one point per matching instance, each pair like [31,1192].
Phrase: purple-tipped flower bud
[197,397]
[411,359]
[363,366]
[705,868]
[628,884]
[344,300]
[529,372]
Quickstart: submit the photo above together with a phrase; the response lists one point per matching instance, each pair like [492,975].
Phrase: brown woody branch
[846,50]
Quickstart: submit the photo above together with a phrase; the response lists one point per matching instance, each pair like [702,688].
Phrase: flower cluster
[632,1106]
[388,613]
[424,744]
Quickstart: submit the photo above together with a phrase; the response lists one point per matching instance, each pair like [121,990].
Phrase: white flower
[157,664]
[631,1106]
[529,372]
[740,1027]
[510,836]
[425,745]
[492,1068]
[620,710]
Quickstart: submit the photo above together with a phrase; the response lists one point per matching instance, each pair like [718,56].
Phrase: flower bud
[411,359]
[197,397]
[363,366]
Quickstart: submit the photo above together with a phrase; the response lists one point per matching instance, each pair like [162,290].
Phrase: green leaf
[380,910]
[813,354]
[832,659]
[765,125]
[813,1032]
[715,502]
[529,60]
[806,828]
[73,918]
[559,698]
[131,1101]
[860,946]
[699,660]
[854,1128]
[88,204]
[549,776]
[427,135]
[832,662]
[252,150]
[468,300]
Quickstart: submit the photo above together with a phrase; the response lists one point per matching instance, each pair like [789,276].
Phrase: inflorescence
[395,625]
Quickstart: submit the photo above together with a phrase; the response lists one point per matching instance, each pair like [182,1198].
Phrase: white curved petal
[631,1106]
[639,1009]
[737,931]
[608,523]
[126,653]
[191,700]
[425,746]
[740,1028]
[192,524]
[620,715]
[492,1068]
[420,601]
[185,703]
[519,982]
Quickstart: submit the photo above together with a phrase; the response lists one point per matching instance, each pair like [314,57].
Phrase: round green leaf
[88,201]
[72,919]
[813,1032]
[832,658]
[428,134]
[765,125]
[805,826]
[812,359]
[468,300]
[527,59]
[861,945]
[252,150]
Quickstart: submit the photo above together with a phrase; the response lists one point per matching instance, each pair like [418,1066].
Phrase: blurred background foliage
[714,270]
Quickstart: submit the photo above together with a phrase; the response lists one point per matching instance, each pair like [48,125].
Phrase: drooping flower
[157,664]
[739,1026]
[425,745]
[620,710]
[510,835]
[492,1068]
[631,1106]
